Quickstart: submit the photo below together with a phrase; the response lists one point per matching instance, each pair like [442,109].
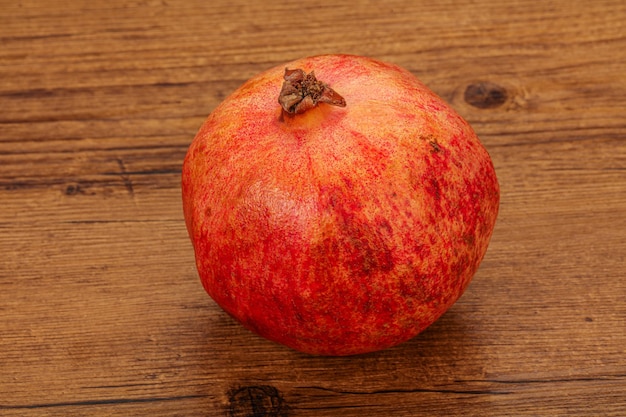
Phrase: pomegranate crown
[302,91]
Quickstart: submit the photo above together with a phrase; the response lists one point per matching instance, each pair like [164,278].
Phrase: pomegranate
[337,206]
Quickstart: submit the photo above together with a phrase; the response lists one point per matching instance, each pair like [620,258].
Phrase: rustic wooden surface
[101,309]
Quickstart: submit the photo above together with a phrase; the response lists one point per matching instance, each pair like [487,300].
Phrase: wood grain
[101,309]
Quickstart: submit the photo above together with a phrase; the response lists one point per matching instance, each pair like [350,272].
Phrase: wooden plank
[101,309]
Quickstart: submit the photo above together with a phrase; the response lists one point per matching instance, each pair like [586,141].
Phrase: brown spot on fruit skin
[485,95]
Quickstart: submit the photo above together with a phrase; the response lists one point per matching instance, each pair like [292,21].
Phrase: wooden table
[101,309]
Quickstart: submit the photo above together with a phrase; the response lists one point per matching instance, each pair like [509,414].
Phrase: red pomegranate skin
[342,230]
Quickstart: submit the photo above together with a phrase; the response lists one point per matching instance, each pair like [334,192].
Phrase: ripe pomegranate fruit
[337,206]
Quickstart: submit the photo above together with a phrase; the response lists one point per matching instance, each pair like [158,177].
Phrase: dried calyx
[302,91]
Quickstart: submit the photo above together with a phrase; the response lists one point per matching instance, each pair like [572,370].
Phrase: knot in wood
[485,95]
